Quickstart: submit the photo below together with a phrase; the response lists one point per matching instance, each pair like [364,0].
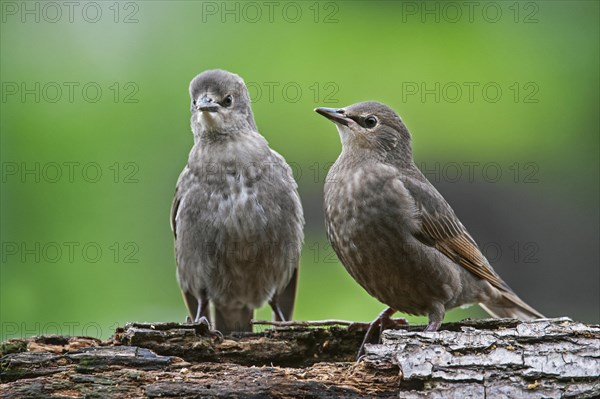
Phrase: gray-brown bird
[395,233]
[236,215]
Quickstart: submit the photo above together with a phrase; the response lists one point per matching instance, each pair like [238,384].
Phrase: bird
[236,214]
[395,233]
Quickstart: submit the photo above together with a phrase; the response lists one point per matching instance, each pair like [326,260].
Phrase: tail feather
[511,306]
[228,320]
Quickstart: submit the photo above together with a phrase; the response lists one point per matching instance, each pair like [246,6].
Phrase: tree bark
[492,358]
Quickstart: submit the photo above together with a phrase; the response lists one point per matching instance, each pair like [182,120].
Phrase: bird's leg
[202,312]
[202,317]
[435,318]
[200,306]
[384,319]
[433,326]
[198,312]
[277,313]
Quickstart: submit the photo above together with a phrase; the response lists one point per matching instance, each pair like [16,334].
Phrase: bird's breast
[366,201]
[243,190]
[369,218]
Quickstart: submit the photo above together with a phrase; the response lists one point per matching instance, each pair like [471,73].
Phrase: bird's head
[220,104]
[370,127]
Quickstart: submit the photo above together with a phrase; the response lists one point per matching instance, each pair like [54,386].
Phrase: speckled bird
[395,233]
[236,215]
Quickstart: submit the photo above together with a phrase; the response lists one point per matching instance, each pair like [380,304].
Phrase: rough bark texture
[472,359]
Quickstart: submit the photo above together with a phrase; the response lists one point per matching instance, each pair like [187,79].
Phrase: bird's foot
[382,322]
[202,320]
[198,320]
[203,328]
[216,334]
[393,324]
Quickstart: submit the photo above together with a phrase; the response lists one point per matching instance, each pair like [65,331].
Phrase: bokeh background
[502,99]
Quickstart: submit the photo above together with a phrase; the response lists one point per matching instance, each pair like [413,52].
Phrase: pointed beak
[207,104]
[335,115]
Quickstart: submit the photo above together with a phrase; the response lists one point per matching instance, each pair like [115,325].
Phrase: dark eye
[370,121]
[227,101]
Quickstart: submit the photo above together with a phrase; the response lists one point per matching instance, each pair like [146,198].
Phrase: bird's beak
[335,115]
[206,103]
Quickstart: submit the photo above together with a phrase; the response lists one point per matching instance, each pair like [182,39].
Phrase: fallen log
[491,358]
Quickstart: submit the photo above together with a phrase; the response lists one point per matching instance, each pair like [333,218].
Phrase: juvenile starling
[395,233]
[236,215]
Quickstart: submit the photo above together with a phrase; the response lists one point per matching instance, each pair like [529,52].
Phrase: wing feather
[174,209]
[441,229]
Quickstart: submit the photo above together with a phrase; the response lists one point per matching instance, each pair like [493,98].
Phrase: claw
[206,330]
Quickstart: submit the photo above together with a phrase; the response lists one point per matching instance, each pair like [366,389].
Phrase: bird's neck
[242,147]
[402,159]
[357,157]
[207,132]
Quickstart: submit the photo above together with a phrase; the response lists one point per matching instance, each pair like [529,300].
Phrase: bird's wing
[175,208]
[183,177]
[286,298]
[196,306]
[441,229]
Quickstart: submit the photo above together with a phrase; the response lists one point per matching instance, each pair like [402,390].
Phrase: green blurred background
[85,170]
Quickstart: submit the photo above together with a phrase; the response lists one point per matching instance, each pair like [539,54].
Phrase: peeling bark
[494,358]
